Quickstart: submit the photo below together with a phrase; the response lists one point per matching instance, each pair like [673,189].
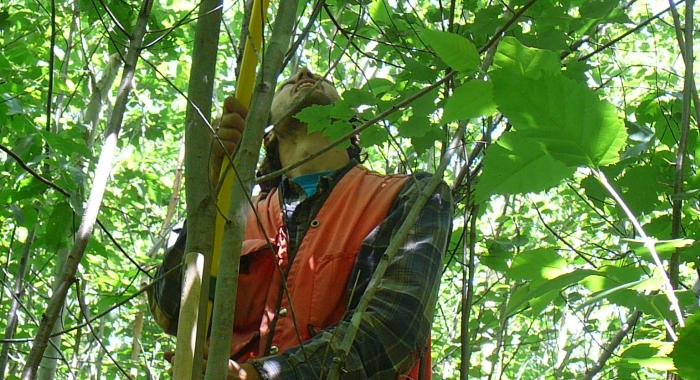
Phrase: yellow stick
[244,92]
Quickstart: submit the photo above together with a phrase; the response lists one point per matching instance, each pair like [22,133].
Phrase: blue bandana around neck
[309,182]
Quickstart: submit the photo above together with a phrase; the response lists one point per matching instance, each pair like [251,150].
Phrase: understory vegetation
[568,130]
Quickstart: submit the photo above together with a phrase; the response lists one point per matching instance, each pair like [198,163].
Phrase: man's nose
[304,73]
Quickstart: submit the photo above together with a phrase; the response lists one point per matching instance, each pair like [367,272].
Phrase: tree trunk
[686,47]
[100,182]
[49,362]
[199,196]
[468,292]
[157,243]
[18,291]
[246,163]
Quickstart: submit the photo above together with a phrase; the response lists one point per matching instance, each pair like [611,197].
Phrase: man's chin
[312,96]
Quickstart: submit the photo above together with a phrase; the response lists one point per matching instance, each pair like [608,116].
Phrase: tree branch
[612,345]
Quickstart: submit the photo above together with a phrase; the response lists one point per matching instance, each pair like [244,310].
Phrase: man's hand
[236,371]
[229,127]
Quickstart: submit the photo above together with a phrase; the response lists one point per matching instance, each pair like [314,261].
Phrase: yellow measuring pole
[244,93]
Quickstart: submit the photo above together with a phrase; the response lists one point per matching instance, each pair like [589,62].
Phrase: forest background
[574,171]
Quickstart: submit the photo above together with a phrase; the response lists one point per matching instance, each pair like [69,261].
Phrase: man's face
[301,90]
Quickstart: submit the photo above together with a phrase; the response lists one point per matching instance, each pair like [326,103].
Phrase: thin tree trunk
[99,93]
[49,362]
[199,196]
[246,162]
[18,291]
[686,46]
[157,243]
[136,342]
[100,182]
[58,104]
[100,353]
[468,293]
[502,331]
[609,348]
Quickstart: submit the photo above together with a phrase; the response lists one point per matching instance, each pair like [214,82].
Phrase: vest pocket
[328,295]
[257,268]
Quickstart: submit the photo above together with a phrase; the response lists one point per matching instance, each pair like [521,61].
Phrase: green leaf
[472,99]
[532,63]
[379,12]
[564,116]
[538,292]
[538,264]
[686,350]
[664,248]
[456,51]
[648,354]
[65,145]
[518,165]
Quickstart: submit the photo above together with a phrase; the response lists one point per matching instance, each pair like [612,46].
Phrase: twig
[65,193]
[52,59]
[17,293]
[104,312]
[304,33]
[86,316]
[649,244]
[612,345]
[625,34]
[561,239]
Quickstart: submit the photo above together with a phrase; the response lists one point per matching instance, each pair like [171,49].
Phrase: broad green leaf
[513,56]
[518,165]
[605,294]
[497,258]
[472,99]
[664,248]
[686,350]
[542,290]
[538,264]
[379,12]
[456,51]
[641,188]
[648,353]
[65,145]
[565,117]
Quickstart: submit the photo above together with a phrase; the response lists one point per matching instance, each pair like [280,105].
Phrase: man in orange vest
[310,250]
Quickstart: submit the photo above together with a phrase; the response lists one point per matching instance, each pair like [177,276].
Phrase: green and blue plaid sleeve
[396,326]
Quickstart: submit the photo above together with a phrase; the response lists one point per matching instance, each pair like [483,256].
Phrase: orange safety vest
[318,277]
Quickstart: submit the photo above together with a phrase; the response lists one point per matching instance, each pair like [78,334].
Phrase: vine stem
[649,243]
[87,223]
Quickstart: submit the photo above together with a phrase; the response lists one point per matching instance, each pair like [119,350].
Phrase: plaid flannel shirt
[397,323]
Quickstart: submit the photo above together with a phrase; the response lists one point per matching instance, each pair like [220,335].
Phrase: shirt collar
[325,183]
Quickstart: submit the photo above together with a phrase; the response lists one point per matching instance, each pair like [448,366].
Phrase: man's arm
[164,295]
[396,326]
